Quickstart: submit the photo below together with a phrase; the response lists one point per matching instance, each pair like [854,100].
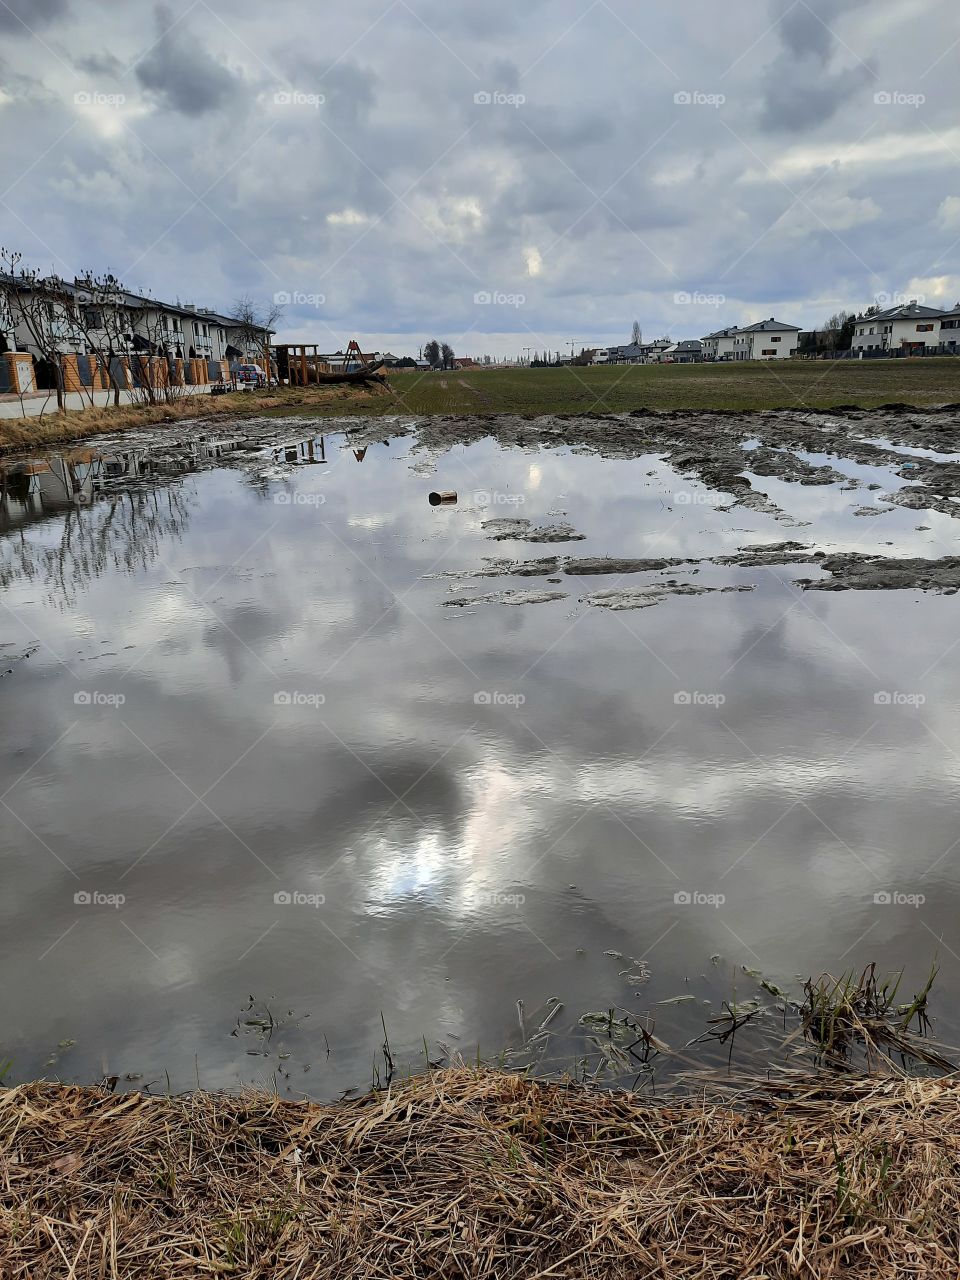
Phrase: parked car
[250,377]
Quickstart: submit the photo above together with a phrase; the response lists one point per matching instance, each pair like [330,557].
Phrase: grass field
[790,385]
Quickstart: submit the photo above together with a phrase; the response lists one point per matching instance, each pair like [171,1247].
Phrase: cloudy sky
[498,175]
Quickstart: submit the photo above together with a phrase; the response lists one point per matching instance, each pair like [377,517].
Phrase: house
[689,351]
[766,340]
[87,326]
[950,331]
[911,329]
[719,345]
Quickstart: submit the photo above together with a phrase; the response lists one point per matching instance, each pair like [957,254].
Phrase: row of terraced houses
[102,335]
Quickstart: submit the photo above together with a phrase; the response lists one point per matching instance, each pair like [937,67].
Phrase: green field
[801,384]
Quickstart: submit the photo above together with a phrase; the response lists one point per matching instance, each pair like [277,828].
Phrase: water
[233,686]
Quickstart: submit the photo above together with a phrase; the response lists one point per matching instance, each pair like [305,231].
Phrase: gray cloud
[399,197]
[20,17]
[800,88]
[180,71]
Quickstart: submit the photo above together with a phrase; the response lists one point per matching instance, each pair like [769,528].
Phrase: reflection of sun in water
[428,868]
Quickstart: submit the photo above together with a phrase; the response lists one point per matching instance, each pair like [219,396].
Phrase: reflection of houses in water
[305,453]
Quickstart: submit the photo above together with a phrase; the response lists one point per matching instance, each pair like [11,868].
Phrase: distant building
[766,340]
[719,345]
[912,329]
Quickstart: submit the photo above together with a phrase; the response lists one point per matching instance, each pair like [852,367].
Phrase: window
[775,339]
[93,318]
[769,351]
[924,328]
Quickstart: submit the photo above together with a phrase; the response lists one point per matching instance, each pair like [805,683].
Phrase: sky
[501,176]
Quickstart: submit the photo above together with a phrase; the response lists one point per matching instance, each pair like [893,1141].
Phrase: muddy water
[264,785]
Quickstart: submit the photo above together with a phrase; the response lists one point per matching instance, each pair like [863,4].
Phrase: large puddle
[286,761]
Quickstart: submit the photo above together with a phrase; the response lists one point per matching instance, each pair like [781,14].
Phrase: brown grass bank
[80,424]
[482,1174]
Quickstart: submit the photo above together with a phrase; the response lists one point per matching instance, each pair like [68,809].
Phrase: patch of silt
[712,447]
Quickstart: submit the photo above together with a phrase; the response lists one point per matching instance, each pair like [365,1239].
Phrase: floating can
[444,498]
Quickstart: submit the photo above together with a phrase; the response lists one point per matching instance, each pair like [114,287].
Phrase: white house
[910,328]
[83,318]
[719,345]
[766,340]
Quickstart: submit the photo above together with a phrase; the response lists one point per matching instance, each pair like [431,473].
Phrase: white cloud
[948,215]
[348,218]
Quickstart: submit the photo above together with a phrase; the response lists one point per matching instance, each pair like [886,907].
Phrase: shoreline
[480,1173]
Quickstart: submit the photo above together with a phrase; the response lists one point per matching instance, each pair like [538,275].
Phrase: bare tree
[636,337]
[446,356]
[43,308]
[254,324]
[106,326]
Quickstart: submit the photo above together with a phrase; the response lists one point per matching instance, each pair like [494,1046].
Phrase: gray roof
[769,326]
[721,333]
[909,311]
[690,344]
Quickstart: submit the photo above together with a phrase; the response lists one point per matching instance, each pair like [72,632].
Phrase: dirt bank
[483,1174]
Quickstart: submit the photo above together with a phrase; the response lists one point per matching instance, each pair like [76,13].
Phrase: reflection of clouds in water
[494,802]
[456,873]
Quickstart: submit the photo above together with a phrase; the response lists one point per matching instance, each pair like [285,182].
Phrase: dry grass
[80,424]
[482,1174]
